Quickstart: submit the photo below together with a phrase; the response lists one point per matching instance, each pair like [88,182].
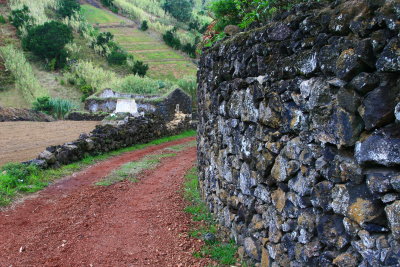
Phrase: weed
[17,178]
[224,253]
[130,171]
[2,20]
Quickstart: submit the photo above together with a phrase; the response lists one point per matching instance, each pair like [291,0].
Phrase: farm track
[21,141]
[76,223]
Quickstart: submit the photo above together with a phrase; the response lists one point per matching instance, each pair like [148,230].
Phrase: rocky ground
[76,223]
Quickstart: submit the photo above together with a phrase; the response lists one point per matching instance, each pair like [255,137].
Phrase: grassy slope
[164,62]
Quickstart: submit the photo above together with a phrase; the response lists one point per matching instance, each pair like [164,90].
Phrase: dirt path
[75,223]
[20,141]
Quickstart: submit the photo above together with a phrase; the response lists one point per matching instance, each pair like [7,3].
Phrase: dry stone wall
[105,138]
[299,136]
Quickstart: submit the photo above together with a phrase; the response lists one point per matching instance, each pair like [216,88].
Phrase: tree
[20,18]
[68,8]
[140,68]
[179,9]
[144,25]
[48,40]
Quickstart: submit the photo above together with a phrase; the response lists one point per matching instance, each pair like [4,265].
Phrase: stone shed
[164,106]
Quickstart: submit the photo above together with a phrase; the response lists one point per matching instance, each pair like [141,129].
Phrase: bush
[117,57]
[144,26]
[20,18]
[180,9]
[140,68]
[134,84]
[171,40]
[2,20]
[190,50]
[225,12]
[48,41]
[87,91]
[68,8]
[55,107]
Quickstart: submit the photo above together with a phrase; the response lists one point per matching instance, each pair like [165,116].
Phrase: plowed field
[21,141]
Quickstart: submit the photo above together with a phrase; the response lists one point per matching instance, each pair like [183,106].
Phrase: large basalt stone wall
[298,143]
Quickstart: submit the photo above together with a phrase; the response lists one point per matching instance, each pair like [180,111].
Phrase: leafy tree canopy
[179,9]
[48,40]
[68,7]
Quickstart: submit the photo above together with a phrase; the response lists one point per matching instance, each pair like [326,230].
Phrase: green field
[95,15]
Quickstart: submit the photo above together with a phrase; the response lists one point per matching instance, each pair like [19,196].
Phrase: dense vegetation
[48,41]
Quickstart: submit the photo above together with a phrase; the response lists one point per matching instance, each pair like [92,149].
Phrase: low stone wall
[86,116]
[298,143]
[106,138]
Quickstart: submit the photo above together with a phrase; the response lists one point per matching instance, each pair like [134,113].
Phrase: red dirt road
[75,223]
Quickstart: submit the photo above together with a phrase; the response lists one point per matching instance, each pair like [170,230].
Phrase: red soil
[75,223]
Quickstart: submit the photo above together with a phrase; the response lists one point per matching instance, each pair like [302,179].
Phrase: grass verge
[17,179]
[130,170]
[222,252]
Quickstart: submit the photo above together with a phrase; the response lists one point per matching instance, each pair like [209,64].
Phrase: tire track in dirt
[75,223]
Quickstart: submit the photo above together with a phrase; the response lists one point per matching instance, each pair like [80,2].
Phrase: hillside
[164,62]
[24,76]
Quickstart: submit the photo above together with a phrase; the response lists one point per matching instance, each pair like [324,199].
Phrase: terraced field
[164,62]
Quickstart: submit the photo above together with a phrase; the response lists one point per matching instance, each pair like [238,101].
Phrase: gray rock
[246,180]
[47,156]
[392,213]
[365,82]
[389,60]
[331,231]
[252,249]
[381,148]
[377,108]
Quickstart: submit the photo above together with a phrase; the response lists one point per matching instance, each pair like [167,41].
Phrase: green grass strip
[17,178]
[223,252]
[130,170]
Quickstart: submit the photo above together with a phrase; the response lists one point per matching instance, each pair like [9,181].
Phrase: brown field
[21,141]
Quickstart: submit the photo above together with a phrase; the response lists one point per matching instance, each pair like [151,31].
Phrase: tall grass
[60,107]
[37,8]
[25,80]
[138,85]
[189,85]
[86,73]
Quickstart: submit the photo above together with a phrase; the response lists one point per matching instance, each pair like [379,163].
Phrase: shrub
[85,73]
[68,8]
[144,26]
[180,9]
[140,68]
[190,50]
[55,107]
[117,57]
[25,80]
[48,41]
[135,84]
[87,91]
[171,40]
[225,12]
[20,18]
[2,20]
